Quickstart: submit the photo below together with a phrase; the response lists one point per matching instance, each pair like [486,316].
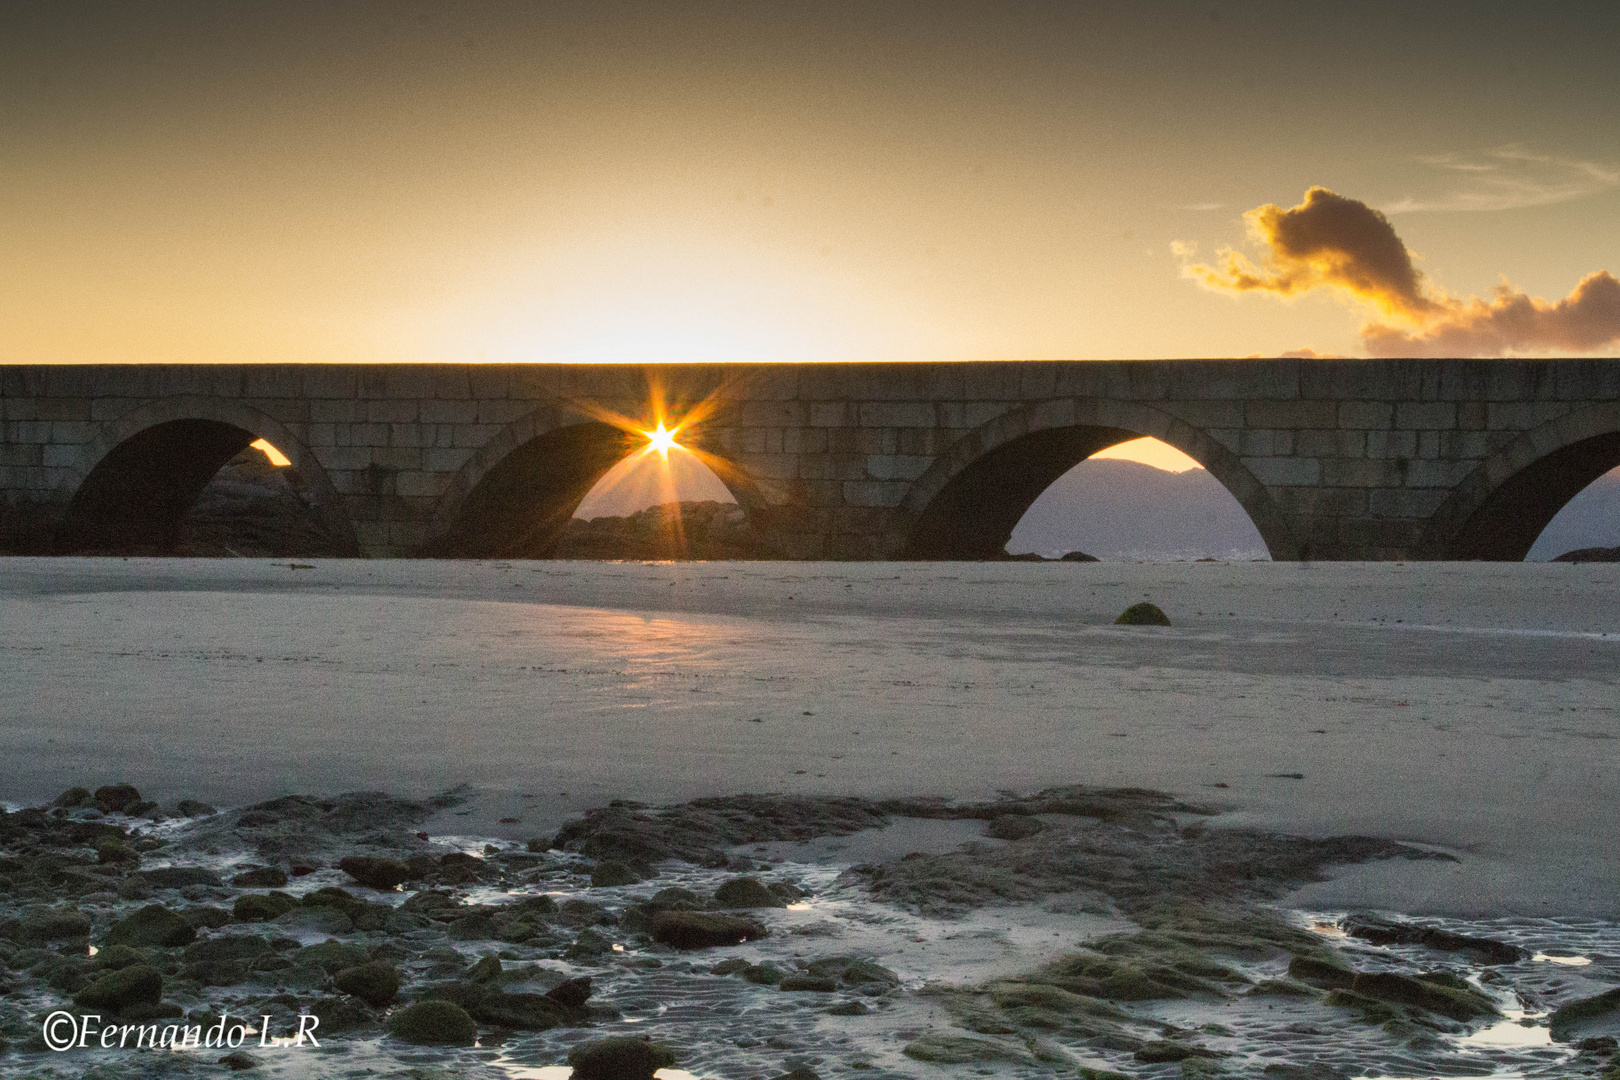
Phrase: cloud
[1511,177]
[1327,241]
[1512,321]
[1345,246]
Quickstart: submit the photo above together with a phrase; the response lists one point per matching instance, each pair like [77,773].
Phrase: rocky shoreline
[674,923]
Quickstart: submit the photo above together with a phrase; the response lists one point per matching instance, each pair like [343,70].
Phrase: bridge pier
[1332,459]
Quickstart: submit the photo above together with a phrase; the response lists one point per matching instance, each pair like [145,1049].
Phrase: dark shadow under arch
[519,508]
[974,515]
[1505,525]
[133,500]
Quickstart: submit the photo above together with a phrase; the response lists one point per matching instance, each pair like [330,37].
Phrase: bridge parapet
[1351,459]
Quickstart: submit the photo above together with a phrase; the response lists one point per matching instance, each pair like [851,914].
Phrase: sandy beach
[1472,707]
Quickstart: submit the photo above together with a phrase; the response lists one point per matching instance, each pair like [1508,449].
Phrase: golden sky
[516,181]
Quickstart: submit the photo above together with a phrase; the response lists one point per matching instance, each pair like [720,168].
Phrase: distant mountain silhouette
[1127,510]
[1589,520]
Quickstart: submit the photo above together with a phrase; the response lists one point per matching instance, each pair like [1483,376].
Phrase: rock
[153,925]
[1143,614]
[571,994]
[763,974]
[1321,974]
[539,844]
[227,947]
[703,930]
[262,907]
[619,1059]
[584,913]
[381,874]
[113,957]
[486,970]
[675,898]
[341,1014]
[74,798]
[746,892]
[1076,556]
[375,983]
[809,984]
[216,972]
[459,867]
[1303,1072]
[138,984]
[333,956]
[115,797]
[609,873]
[260,877]
[1429,996]
[959,1050]
[589,944]
[434,1023]
[240,1060]
[1160,1051]
[1012,827]
[849,1008]
[206,916]
[1579,1017]
[852,971]
[179,877]
[801,1073]
[1383,932]
[730,967]
[40,924]
[315,920]
[191,808]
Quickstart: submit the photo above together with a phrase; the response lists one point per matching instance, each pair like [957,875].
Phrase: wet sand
[1469,706]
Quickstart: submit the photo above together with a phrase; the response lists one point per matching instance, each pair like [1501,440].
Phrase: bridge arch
[135,479]
[513,497]
[967,503]
[1500,508]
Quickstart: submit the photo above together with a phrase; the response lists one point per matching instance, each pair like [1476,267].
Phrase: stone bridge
[1332,459]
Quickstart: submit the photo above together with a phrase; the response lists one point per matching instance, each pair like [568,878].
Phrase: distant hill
[686,530]
[1589,520]
[1127,510]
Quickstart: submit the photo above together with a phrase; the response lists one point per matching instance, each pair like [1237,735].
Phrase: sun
[661,440]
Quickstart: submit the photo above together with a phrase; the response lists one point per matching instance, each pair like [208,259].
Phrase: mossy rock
[1012,827]
[375,983]
[1461,1005]
[114,957]
[609,873]
[1143,614]
[434,1022]
[619,1058]
[230,947]
[959,1050]
[112,798]
[1569,1020]
[138,984]
[746,892]
[152,926]
[703,929]
[485,970]
[375,873]
[260,877]
[262,907]
[333,956]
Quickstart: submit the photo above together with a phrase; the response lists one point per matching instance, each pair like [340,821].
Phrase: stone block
[1291,414]
[337,411]
[897,414]
[1406,502]
[1366,414]
[1281,470]
[1391,444]
[329,381]
[896,466]
[1363,472]
[423,484]
[392,411]
[1207,414]
[63,408]
[267,381]
[1426,415]
[874,493]
[475,435]
[443,459]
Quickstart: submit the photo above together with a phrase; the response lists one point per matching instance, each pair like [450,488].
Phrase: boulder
[434,1023]
[609,873]
[1076,556]
[74,797]
[153,925]
[40,924]
[746,892]
[227,947]
[138,984]
[260,877]
[333,956]
[179,877]
[191,808]
[1143,614]
[1384,932]
[113,798]
[572,993]
[381,874]
[703,929]
[262,907]
[375,983]
[1581,1017]
[619,1059]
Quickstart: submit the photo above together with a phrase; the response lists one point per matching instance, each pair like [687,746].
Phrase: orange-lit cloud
[1344,245]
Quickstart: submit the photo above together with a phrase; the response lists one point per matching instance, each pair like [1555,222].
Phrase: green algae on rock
[1143,614]
[434,1022]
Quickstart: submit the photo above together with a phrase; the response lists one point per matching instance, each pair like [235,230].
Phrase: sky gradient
[262,182]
